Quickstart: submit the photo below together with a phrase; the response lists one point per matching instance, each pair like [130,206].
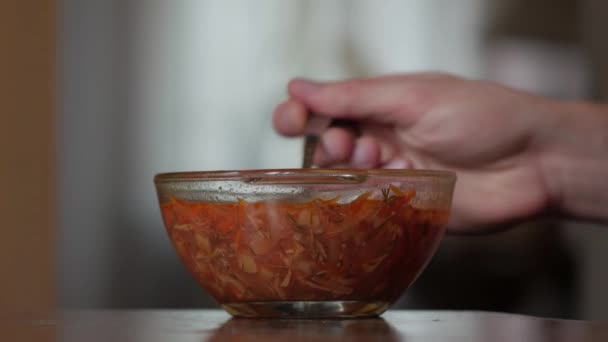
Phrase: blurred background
[148,86]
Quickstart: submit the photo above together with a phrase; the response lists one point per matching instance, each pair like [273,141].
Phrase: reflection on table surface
[311,330]
[215,325]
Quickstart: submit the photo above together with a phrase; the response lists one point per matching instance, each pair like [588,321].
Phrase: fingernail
[330,149]
[286,115]
[280,109]
[361,157]
[303,87]
[282,116]
[397,163]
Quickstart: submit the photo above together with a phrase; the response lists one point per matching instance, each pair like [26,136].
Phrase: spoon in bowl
[315,126]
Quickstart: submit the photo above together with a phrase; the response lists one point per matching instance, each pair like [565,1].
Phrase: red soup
[370,248]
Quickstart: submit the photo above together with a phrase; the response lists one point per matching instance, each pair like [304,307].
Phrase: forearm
[575,160]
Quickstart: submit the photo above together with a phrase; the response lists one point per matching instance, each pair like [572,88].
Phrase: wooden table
[215,325]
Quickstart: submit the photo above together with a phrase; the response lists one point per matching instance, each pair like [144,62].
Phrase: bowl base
[307,309]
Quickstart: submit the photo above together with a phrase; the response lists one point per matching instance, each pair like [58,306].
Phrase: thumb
[395,100]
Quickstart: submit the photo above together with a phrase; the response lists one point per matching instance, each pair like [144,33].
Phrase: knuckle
[418,99]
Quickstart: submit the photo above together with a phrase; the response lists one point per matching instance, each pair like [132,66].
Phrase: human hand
[489,134]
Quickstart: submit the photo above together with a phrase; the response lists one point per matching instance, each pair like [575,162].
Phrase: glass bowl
[305,242]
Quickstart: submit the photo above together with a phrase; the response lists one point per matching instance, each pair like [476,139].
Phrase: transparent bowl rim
[307,175]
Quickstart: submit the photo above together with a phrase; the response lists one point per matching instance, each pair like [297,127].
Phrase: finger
[289,118]
[385,135]
[398,163]
[393,100]
[366,153]
[335,147]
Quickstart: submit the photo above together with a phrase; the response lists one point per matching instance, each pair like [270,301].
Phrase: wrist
[574,159]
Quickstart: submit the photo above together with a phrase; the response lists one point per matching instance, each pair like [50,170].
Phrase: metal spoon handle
[310,145]
[314,128]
